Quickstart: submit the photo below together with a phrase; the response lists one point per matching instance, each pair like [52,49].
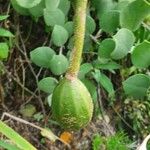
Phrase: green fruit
[72,105]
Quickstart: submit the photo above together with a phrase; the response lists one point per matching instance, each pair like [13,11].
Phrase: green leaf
[124,40]
[59,64]
[28,3]
[109,21]
[42,56]
[90,24]
[64,5]
[69,27]
[49,100]
[106,47]
[133,14]
[55,17]
[3,17]
[4,49]
[5,33]
[52,4]
[59,35]
[103,6]
[90,86]
[15,137]
[49,134]
[141,55]
[84,69]
[37,11]
[19,9]
[109,65]
[87,43]
[8,146]
[121,5]
[47,84]
[136,85]
[104,81]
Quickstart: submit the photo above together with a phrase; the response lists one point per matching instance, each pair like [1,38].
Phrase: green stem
[79,32]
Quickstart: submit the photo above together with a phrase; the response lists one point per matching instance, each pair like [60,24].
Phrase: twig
[33,95]
[20,120]
[29,32]
[22,86]
[102,110]
[29,64]
[36,78]
[18,82]
[95,38]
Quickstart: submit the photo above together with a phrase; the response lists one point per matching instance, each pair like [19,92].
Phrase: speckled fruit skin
[72,105]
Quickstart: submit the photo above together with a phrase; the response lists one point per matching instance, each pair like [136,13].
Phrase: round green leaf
[109,21]
[28,3]
[47,84]
[141,55]
[136,85]
[106,47]
[69,27]
[42,56]
[59,64]
[133,14]
[103,6]
[19,9]
[90,24]
[37,11]
[59,35]
[64,5]
[51,4]
[54,17]
[124,40]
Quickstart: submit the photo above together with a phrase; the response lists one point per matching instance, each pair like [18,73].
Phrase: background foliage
[115,63]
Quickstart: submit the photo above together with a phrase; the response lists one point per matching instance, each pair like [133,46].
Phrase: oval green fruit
[72,105]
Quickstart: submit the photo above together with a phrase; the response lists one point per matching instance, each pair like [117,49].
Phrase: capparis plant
[116,41]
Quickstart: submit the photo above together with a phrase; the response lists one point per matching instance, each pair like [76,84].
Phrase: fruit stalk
[79,33]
